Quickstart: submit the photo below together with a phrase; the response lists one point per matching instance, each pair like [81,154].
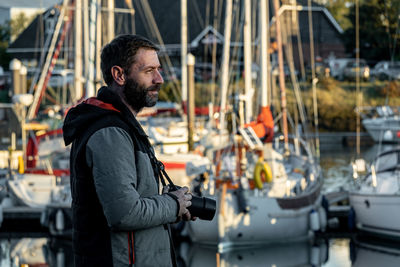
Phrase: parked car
[350,70]
[337,65]
[386,70]
[321,70]
[61,77]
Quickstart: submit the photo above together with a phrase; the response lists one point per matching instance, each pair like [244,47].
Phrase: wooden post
[191,61]
[15,66]
[23,85]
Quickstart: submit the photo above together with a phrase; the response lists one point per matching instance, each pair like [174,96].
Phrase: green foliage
[340,11]
[5,32]
[379,30]
[168,93]
[390,90]
[337,101]
[19,23]
[336,108]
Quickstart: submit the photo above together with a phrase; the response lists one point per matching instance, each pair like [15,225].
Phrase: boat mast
[358,78]
[78,51]
[86,36]
[264,52]
[90,86]
[225,63]
[184,52]
[247,60]
[314,80]
[281,75]
[98,79]
[110,21]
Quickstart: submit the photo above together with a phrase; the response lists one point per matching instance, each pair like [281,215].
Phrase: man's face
[143,81]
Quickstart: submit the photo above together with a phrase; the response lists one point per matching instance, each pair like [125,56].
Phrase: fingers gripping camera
[202,207]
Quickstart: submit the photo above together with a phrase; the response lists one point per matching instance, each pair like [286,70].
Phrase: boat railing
[377,111]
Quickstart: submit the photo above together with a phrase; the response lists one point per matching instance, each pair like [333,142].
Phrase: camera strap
[162,175]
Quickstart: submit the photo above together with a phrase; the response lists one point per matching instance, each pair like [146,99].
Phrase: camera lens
[202,207]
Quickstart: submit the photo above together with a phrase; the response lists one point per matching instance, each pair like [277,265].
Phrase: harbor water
[336,250]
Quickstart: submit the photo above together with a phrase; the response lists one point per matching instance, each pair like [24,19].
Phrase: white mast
[184,50]
[78,51]
[90,89]
[225,62]
[264,52]
[111,23]
[86,36]
[247,60]
[98,45]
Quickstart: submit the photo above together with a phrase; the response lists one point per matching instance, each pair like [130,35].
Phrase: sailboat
[382,123]
[265,192]
[375,196]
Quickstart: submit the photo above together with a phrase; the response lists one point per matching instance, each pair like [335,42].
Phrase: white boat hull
[37,190]
[378,214]
[266,222]
[289,254]
[384,129]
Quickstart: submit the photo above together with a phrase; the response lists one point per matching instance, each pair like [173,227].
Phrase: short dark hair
[121,51]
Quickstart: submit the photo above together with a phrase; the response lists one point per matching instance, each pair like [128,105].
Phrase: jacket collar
[113,101]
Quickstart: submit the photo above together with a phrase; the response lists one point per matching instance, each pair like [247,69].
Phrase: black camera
[202,207]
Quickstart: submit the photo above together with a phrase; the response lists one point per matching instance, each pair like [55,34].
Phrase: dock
[347,139]
[22,219]
[340,215]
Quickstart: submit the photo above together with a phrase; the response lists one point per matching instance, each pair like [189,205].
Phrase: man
[119,217]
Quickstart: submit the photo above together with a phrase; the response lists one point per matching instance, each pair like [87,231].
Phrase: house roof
[27,3]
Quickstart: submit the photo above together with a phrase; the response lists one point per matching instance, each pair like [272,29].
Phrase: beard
[138,96]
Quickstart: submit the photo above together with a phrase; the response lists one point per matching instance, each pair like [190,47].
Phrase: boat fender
[21,167]
[60,222]
[262,174]
[61,258]
[323,221]
[351,219]
[315,258]
[314,220]
[324,249]
[241,199]
[1,215]
[325,204]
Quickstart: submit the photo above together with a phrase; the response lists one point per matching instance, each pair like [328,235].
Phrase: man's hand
[184,202]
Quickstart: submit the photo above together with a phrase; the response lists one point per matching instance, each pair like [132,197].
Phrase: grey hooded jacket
[128,192]
[126,188]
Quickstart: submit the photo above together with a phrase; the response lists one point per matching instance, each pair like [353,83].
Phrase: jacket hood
[90,110]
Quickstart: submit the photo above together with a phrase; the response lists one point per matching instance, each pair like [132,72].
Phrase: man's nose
[158,78]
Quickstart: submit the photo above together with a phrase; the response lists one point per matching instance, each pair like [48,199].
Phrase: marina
[337,246]
[270,112]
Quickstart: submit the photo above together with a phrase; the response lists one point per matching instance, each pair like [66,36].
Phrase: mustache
[154,87]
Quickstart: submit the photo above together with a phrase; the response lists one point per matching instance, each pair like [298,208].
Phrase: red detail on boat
[174,165]
[56,172]
[398,134]
[33,144]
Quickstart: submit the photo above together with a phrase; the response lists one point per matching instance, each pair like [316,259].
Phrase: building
[12,9]
[160,21]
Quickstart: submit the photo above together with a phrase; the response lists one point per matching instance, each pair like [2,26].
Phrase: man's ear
[118,75]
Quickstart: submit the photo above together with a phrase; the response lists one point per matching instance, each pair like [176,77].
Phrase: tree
[340,10]
[5,32]
[379,30]
[19,23]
